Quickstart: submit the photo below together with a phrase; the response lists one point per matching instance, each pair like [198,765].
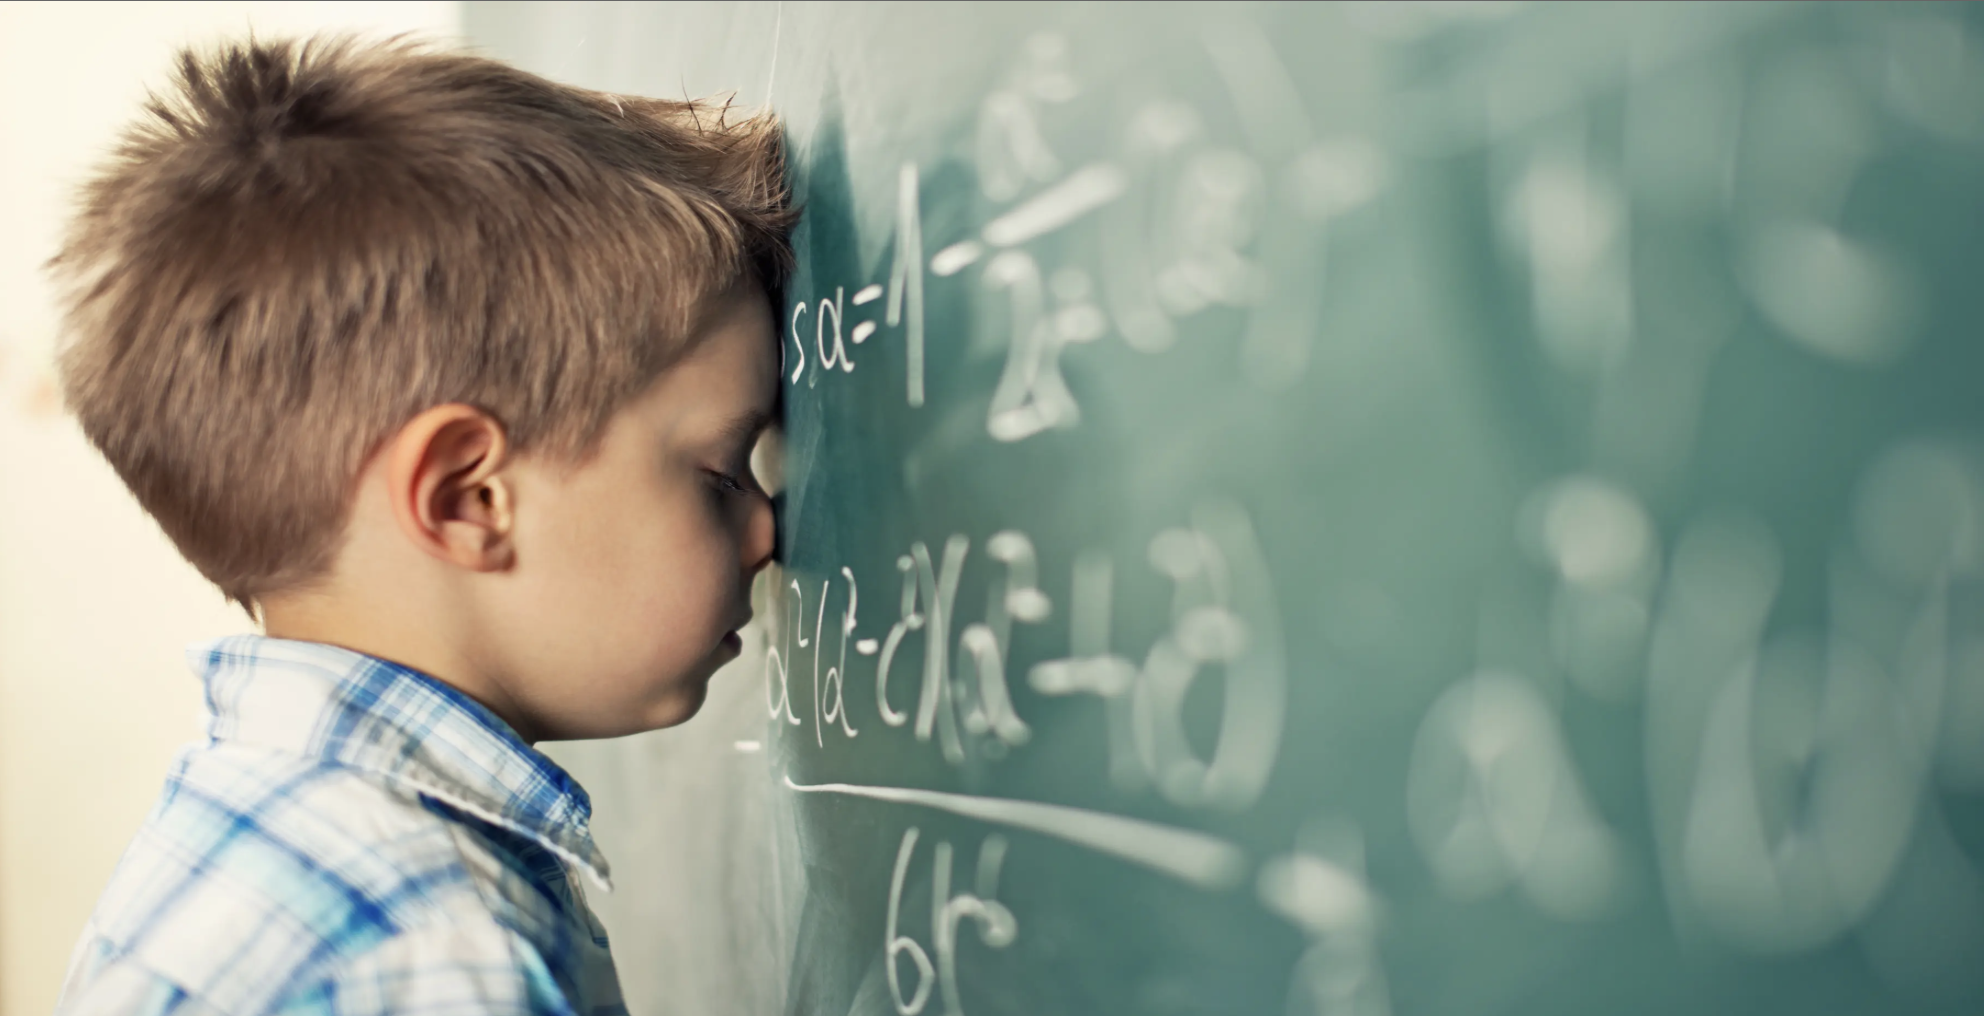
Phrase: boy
[450,376]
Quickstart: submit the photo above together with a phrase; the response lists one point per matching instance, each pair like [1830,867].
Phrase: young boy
[450,375]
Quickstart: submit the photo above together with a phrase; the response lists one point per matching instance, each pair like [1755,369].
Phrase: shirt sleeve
[444,969]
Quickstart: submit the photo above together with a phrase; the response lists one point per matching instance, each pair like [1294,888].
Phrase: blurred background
[94,603]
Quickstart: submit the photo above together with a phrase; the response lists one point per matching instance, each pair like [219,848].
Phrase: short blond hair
[304,244]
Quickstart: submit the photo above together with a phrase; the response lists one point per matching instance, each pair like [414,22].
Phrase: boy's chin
[686,695]
[676,704]
[682,711]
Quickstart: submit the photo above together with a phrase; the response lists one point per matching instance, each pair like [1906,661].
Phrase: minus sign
[748,746]
[867,647]
[955,258]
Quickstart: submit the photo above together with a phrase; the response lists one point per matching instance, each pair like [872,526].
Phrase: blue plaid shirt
[352,837]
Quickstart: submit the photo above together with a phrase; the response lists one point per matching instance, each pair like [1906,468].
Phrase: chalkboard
[1339,509]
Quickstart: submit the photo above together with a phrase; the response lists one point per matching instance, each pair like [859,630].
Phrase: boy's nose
[778,510]
[761,533]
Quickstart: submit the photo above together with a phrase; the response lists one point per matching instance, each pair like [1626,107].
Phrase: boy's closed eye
[736,452]
[734,481]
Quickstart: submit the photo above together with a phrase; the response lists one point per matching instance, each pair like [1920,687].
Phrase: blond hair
[306,243]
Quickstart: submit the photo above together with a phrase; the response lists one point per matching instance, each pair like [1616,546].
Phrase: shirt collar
[414,732]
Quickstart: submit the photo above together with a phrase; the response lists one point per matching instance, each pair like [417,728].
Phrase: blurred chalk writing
[1375,508]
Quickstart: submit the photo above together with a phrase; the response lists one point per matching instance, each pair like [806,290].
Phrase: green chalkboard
[1339,509]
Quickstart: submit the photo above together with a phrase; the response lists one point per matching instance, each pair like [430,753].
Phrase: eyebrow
[744,425]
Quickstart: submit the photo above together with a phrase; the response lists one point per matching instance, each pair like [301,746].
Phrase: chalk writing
[996,925]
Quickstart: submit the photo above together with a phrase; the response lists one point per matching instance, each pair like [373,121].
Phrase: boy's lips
[731,639]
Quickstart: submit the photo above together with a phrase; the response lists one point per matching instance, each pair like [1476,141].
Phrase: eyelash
[730,483]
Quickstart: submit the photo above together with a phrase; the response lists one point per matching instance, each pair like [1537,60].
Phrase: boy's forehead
[742,338]
[742,310]
[730,367]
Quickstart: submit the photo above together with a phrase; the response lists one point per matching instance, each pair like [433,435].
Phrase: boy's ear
[444,473]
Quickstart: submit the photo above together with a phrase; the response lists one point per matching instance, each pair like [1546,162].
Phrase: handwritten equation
[1185,223]
[956,695]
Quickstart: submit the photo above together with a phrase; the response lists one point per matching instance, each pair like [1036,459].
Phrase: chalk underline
[1194,857]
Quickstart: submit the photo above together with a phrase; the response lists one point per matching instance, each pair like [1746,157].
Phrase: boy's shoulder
[351,839]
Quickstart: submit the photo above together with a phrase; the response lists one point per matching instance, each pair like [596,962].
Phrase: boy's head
[335,304]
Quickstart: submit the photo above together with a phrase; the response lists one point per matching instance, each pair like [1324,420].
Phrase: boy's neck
[435,642]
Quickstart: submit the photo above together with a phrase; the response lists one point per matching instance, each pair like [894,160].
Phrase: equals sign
[868,294]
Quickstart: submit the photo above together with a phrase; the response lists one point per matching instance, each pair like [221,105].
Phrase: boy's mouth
[731,641]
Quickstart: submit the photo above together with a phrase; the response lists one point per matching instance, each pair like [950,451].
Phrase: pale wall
[94,603]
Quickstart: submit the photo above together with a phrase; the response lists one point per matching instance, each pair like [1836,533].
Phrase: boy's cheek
[622,602]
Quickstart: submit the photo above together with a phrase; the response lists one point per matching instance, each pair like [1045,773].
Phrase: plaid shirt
[352,837]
